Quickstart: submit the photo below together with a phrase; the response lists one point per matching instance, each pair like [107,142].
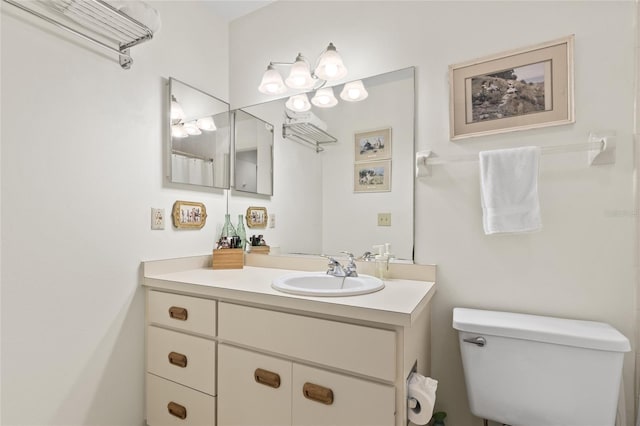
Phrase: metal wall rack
[92,20]
[307,133]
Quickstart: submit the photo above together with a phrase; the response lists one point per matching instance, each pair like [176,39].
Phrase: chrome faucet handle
[331,259]
[367,256]
[350,269]
[351,256]
[335,268]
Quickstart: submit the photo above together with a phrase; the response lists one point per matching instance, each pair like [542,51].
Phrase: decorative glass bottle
[242,233]
[228,233]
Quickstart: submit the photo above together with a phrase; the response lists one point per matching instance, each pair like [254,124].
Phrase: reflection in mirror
[318,198]
[253,141]
[200,140]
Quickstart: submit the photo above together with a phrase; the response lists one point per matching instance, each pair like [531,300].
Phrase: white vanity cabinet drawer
[187,313]
[255,389]
[323,398]
[364,350]
[170,404]
[182,358]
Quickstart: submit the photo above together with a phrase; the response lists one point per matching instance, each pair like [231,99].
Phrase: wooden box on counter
[260,249]
[228,258]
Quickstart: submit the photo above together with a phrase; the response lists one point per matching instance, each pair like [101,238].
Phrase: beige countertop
[398,304]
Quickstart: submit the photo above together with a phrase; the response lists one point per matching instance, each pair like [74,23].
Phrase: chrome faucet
[337,270]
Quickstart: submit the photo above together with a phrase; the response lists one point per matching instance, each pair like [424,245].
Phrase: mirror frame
[169,138]
[234,133]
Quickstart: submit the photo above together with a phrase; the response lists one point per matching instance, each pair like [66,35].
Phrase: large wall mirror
[253,143]
[199,137]
[322,205]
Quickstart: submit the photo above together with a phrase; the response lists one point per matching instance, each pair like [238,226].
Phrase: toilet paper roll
[422,390]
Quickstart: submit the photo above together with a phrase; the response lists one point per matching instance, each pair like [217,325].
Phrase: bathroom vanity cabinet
[224,348]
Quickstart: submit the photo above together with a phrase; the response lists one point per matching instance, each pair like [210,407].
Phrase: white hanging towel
[509,190]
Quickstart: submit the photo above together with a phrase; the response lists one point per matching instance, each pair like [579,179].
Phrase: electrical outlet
[157,218]
[272,220]
[384,219]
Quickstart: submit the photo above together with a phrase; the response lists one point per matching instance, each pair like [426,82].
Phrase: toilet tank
[542,371]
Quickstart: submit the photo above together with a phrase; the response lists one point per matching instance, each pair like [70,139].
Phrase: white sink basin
[322,284]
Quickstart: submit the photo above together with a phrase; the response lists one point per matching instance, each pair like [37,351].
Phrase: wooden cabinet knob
[267,378]
[178,359]
[177,410]
[178,313]
[317,393]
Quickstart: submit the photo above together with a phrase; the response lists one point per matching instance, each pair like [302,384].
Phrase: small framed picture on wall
[373,145]
[372,176]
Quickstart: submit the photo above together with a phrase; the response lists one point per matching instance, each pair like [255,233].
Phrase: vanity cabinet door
[323,398]
[253,389]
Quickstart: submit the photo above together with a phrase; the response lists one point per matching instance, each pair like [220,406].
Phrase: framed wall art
[372,176]
[189,215]
[517,90]
[373,145]
[257,217]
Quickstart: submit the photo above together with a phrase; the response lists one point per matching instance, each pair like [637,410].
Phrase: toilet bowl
[532,370]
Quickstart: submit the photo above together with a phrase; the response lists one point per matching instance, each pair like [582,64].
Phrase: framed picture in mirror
[257,217]
[372,176]
[189,215]
[373,145]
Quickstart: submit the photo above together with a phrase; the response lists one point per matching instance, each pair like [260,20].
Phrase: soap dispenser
[381,262]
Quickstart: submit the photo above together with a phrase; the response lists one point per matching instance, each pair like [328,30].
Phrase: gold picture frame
[257,217]
[373,145]
[516,90]
[372,176]
[189,215]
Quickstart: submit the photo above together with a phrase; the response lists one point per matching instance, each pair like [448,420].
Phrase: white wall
[81,166]
[582,263]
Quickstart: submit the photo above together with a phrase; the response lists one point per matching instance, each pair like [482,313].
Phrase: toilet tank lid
[570,332]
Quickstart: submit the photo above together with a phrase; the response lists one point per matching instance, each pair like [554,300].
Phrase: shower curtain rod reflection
[190,155]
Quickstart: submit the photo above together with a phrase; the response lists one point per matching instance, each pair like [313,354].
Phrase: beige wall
[81,167]
[583,263]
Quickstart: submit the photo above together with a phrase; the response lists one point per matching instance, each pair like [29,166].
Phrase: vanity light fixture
[192,129]
[300,75]
[178,131]
[206,123]
[272,83]
[298,103]
[329,67]
[177,113]
[354,91]
[324,98]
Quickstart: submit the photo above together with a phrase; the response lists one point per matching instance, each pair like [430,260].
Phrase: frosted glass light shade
[177,113]
[354,91]
[298,103]
[206,123]
[330,66]
[178,131]
[272,83]
[300,75]
[324,98]
[191,128]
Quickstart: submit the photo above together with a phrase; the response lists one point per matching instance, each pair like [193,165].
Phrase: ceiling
[233,9]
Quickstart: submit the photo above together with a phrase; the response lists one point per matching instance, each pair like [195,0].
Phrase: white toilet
[531,370]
